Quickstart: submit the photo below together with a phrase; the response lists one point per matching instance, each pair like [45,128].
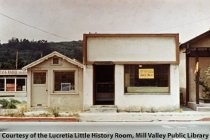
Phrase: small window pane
[147,78]
[20,85]
[10,84]
[2,84]
[40,78]
[64,81]
[55,61]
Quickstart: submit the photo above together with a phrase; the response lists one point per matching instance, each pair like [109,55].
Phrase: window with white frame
[64,81]
[147,78]
[2,84]
[20,84]
[14,84]
[10,84]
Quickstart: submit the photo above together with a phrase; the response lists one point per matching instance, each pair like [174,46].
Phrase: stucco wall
[182,74]
[121,49]
[124,101]
[159,101]
[88,87]
[65,101]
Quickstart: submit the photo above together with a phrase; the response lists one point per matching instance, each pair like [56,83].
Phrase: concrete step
[143,117]
[204,105]
[203,108]
[103,108]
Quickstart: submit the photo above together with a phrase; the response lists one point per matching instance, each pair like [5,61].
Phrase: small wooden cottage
[131,71]
[55,81]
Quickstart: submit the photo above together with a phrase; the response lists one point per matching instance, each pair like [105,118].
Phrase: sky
[68,20]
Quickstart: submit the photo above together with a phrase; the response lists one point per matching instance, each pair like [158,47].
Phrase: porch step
[103,108]
[203,108]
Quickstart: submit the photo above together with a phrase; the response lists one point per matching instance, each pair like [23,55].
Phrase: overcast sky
[67,20]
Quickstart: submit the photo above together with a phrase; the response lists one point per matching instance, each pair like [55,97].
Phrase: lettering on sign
[146,73]
[13,72]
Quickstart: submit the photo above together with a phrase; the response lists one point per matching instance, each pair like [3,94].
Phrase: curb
[39,119]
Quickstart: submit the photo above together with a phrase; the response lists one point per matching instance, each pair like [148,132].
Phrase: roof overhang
[53,54]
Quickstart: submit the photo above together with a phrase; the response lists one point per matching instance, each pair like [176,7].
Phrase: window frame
[59,61]
[15,82]
[25,84]
[34,78]
[75,82]
[147,92]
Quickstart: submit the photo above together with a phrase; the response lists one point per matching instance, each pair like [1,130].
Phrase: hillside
[29,51]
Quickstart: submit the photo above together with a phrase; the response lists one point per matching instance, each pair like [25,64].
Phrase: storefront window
[147,78]
[14,84]
[20,85]
[64,81]
[10,84]
[2,82]
[39,77]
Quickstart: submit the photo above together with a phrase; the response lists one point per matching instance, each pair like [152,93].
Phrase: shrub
[4,103]
[9,104]
[14,101]
[55,111]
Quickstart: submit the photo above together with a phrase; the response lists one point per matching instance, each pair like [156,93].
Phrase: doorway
[103,85]
[39,89]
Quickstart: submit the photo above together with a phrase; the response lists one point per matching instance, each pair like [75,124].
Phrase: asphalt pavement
[104,130]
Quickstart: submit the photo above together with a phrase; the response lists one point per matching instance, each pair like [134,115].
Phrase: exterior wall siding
[88,87]
[65,101]
[182,74]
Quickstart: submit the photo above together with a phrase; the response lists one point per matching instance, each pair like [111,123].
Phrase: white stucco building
[131,70]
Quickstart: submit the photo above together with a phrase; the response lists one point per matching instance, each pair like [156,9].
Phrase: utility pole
[16,62]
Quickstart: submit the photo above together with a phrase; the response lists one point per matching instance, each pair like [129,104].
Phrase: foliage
[29,51]
[203,81]
[9,104]
[22,108]
[4,103]
[55,111]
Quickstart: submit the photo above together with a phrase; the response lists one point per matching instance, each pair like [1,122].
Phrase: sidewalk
[38,119]
[185,115]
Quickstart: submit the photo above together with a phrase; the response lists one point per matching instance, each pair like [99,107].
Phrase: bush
[9,104]
[15,101]
[55,111]
[4,103]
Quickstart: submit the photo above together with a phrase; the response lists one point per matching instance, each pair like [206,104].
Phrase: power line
[34,27]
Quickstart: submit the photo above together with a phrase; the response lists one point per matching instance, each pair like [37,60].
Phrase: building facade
[131,70]
[55,81]
[196,59]
[13,84]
